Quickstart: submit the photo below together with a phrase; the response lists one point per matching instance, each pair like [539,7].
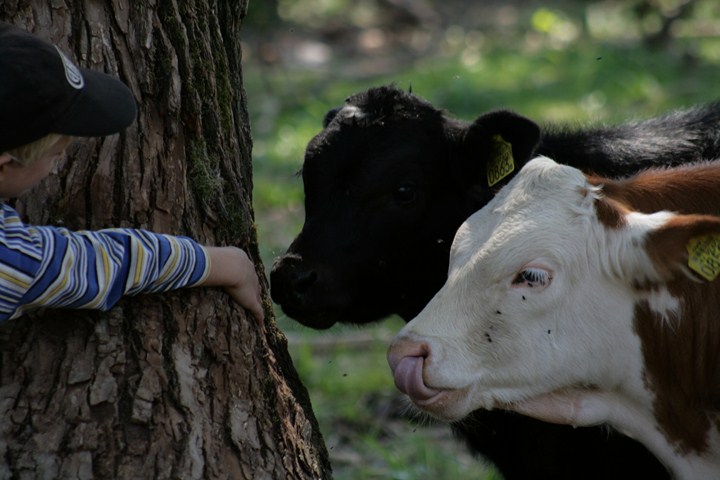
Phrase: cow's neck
[685,465]
[681,356]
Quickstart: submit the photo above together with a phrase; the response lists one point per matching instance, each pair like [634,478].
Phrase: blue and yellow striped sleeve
[54,267]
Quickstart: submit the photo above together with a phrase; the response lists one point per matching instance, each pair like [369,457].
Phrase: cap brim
[103,107]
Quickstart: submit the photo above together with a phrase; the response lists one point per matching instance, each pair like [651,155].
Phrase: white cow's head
[540,300]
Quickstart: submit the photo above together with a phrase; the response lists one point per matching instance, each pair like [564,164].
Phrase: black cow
[387,183]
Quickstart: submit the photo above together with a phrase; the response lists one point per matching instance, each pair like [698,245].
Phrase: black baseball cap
[43,92]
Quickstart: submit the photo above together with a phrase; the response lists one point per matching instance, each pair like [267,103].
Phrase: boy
[45,100]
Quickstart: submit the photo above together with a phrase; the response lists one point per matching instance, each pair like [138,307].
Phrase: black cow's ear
[496,146]
[330,115]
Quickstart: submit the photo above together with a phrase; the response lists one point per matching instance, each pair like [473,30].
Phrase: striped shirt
[54,267]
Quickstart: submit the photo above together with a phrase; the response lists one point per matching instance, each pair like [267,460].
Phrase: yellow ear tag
[501,162]
[704,256]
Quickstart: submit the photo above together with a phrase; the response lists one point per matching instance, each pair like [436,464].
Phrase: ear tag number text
[501,162]
[704,256]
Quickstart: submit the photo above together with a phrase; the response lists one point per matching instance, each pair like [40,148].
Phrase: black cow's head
[387,183]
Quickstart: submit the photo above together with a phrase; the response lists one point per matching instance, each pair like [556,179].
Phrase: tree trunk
[178,385]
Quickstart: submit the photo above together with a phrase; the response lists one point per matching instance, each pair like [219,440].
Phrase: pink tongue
[409,380]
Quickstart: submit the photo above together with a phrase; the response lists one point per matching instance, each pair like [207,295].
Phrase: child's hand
[231,269]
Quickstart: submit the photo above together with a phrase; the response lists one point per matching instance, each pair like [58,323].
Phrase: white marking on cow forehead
[350,111]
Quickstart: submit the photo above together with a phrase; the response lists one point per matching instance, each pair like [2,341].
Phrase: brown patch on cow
[681,355]
[610,213]
[682,189]
[666,375]
[681,364]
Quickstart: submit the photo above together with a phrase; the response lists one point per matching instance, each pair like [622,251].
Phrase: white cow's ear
[682,245]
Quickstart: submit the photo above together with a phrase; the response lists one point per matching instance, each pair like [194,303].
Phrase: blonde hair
[31,152]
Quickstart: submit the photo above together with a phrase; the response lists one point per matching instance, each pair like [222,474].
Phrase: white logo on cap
[72,73]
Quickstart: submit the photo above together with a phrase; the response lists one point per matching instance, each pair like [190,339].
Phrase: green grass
[359,411]
[575,66]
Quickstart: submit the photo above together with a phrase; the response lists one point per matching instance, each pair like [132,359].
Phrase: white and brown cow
[571,298]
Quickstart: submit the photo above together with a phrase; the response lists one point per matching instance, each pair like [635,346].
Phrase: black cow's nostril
[291,280]
[304,280]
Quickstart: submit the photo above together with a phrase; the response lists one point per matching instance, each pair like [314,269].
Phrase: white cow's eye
[532,277]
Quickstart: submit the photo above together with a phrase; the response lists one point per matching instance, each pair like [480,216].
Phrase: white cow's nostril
[405,347]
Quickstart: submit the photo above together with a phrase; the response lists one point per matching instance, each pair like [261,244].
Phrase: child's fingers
[256,308]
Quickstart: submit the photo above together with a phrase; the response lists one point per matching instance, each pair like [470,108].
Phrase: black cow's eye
[405,193]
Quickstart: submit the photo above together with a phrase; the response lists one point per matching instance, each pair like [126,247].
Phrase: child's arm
[231,269]
[54,267]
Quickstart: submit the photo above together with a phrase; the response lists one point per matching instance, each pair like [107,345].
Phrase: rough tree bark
[179,385]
